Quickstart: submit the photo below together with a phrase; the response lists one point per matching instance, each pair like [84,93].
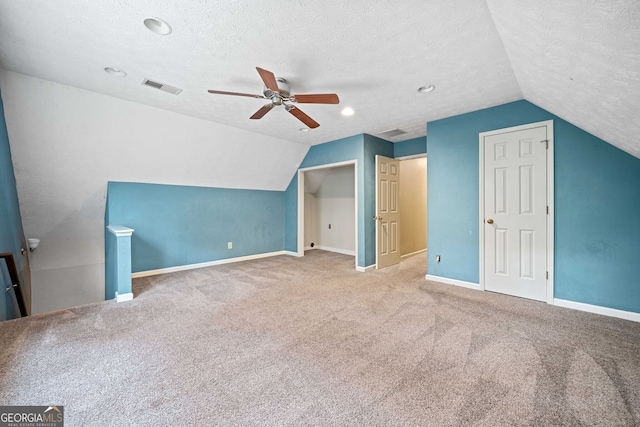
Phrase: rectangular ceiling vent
[163,87]
[392,133]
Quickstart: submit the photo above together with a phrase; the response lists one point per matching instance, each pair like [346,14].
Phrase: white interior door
[515,212]
[387,212]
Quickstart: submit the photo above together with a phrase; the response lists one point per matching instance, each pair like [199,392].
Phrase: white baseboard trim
[413,253]
[208,264]
[309,248]
[124,297]
[605,311]
[455,282]
[365,269]
[336,250]
[291,253]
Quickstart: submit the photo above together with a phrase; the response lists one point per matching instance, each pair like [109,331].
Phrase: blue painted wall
[410,147]
[291,215]
[110,257]
[182,225]
[11,233]
[597,200]
[362,148]
[341,150]
[597,222]
[351,148]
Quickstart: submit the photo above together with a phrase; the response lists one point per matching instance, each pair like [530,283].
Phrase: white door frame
[301,172]
[550,199]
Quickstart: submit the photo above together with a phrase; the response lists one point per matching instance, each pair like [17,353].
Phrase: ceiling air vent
[163,87]
[392,133]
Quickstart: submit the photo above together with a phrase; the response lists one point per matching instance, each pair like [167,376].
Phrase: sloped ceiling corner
[67,143]
[579,60]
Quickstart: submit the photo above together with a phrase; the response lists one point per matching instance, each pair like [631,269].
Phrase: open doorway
[328,209]
[401,208]
[413,206]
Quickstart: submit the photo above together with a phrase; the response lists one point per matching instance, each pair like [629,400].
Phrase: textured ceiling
[579,59]
[374,54]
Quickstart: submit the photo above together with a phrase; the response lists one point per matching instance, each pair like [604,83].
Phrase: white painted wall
[66,143]
[314,178]
[310,218]
[335,205]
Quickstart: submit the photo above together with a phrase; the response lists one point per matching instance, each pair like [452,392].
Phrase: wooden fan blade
[269,79]
[303,117]
[261,112]
[222,92]
[317,98]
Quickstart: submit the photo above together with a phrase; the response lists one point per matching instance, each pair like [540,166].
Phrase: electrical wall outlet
[437,258]
[329,226]
[229,245]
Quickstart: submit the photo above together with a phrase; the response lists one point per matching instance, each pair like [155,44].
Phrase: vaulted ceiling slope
[579,59]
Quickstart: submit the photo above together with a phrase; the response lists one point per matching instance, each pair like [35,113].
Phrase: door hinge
[547,210]
[546,143]
[547,275]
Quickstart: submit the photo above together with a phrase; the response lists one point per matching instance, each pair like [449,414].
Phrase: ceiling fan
[277,91]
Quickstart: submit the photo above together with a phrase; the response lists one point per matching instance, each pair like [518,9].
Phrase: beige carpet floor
[310,341]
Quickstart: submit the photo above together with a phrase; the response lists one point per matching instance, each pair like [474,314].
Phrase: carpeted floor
[310,341]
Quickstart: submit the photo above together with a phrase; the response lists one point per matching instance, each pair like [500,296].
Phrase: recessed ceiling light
[347,111]
[158,26]
[115,72]
[304,129]
[426,89]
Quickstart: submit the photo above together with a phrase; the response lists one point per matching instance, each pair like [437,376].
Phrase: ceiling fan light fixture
[304,129]
[426,89]
[115,71]
[348,111]
[158,26]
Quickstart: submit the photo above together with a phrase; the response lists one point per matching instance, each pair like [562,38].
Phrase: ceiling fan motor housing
[284,91]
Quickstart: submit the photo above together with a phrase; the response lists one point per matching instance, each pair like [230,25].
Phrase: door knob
[489,221]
